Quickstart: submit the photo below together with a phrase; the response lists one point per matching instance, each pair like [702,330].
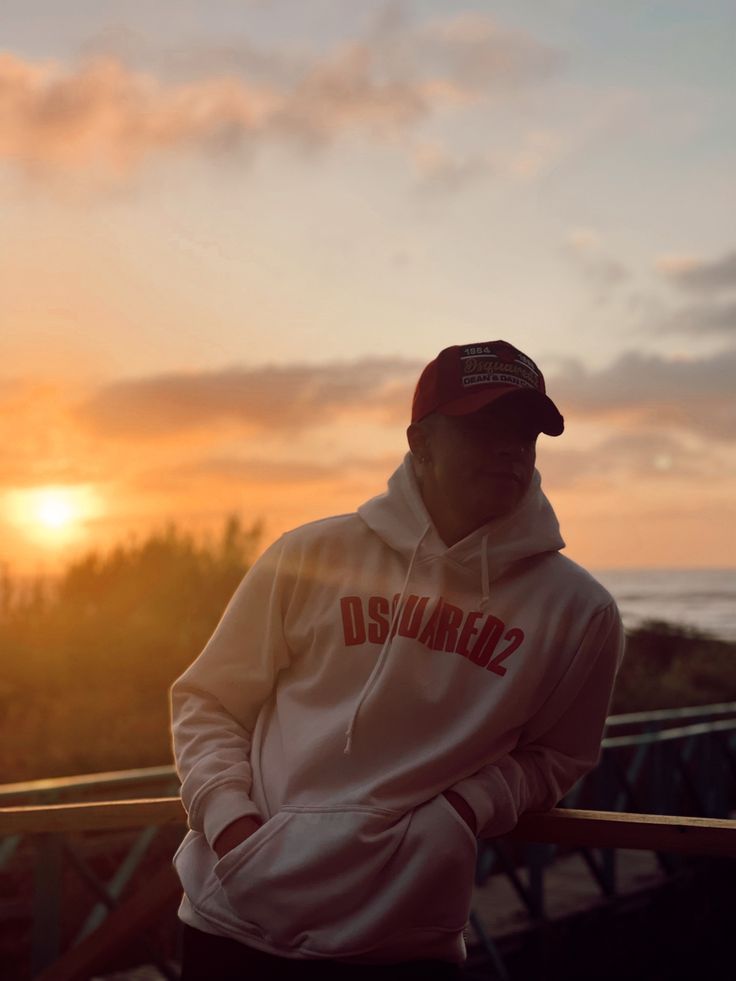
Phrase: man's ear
[418,442]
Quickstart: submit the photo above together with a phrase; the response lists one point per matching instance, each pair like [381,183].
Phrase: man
[384,688]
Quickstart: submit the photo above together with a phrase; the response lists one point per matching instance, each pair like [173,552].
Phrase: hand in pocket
[462,807]
[235,833]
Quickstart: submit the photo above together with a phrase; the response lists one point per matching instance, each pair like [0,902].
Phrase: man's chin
[503,504]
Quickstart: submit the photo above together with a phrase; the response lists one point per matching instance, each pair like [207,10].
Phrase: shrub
[88,660]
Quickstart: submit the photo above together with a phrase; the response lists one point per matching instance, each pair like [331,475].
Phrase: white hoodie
[305,710]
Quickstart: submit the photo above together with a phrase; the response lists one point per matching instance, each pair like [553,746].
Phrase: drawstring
[386,646]
[485,577]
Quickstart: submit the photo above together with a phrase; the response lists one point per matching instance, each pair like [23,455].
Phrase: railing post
[608,855]
[46,930]
[711,773]
[536,859]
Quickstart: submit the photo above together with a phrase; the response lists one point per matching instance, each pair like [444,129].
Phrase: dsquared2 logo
[444,627]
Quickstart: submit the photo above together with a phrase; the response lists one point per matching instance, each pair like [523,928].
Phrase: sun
[54,509]
[54,515]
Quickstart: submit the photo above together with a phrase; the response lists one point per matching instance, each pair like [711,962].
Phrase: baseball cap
[465,377]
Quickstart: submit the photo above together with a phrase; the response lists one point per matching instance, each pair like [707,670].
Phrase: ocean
[700,598]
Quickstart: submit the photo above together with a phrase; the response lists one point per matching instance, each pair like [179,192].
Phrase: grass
[87,662]
[670,666]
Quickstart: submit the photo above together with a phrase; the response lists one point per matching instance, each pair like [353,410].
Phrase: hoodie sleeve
[561,744]
[215,703]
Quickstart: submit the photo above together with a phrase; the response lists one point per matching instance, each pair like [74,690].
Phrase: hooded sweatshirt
[361,669]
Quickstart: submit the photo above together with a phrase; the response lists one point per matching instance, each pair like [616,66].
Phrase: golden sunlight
[56,515]
[55,510]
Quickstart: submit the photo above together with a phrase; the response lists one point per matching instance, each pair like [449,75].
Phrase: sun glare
[55,510]
[54,515]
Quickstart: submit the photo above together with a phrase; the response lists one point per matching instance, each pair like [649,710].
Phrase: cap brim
[545,411]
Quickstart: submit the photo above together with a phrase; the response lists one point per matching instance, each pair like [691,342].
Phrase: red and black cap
[466,377]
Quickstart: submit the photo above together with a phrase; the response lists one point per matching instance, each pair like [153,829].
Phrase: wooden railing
[579,828]
[703,836]
[563,826]
[640,751]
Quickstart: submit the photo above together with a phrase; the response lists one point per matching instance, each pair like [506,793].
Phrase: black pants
[206,957]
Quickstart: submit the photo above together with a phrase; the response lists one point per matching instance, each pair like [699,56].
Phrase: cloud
[272,398]
[629,456]
[440,168]
[262,472]
[480,55]
[708,317]
[343,92]
[694,393]
[699,276]
[468,54]
[105,117]
[234,57]
[711,313]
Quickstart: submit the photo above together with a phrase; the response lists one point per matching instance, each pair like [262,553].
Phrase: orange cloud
[693,394]
[273,398]
[261,473]
[106,118]
[103,117]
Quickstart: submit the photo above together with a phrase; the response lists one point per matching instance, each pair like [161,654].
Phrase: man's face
[478,466]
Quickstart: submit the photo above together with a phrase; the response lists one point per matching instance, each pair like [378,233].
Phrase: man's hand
[462,807]
[235,833]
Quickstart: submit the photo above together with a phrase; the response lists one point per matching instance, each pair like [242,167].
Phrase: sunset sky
[233,232]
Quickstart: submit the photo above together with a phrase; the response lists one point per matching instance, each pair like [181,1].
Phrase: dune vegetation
[672,666]
[88,659]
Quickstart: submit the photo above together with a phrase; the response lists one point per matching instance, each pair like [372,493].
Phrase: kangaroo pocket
[343,880]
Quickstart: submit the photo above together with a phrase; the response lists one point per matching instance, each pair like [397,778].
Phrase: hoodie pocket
[341,880]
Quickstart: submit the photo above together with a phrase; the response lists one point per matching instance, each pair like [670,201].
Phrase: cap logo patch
[498,368]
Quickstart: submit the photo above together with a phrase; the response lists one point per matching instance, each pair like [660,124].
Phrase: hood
[401,520]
